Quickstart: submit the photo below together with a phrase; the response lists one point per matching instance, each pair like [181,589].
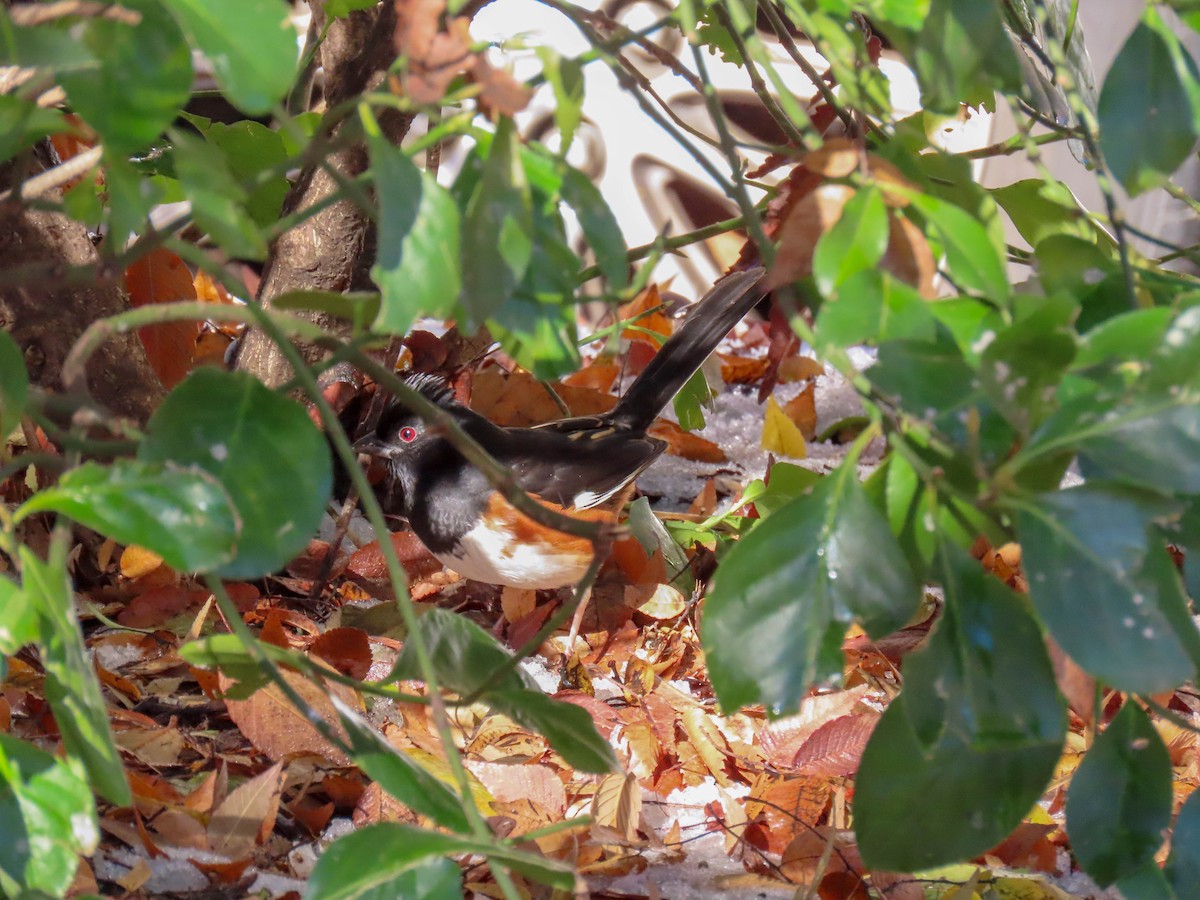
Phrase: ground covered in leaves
[236,793]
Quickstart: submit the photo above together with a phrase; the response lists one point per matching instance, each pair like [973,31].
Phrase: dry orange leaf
[617,804]
[780,434]
[278,729]
[137,562]
[685,444]
[656,322]
[797,368]
[599,376]
[248,814]
[666,602]
[517,603]
[802,410]
[836,158]
[743,369]
[162,277]
[348,650]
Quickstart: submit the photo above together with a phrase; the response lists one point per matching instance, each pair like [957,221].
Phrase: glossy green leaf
[969,746]
[218,199]
[254,62]
[418,267]
[569,728]
[399,775]
[47,817]
[1183,865]
[262,447]
[854,244]
[181,513]
[1155,443]
[464,656]
[130,198]
[1020,368]
[783,598]
[909,14]
[1119,800]
[14,385]
[1131,336]
[143,79]
[383,862]
[498,228]
[973,259]
[1106,592]
[19,623]
[1173,366]
[1149,110]
[71,684]
[871,305]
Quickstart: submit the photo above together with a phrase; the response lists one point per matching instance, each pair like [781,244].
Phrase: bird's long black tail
[707,323]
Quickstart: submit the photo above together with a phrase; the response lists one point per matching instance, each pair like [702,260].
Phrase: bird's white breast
[492,556]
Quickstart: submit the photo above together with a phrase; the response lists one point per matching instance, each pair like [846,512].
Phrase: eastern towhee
[584,467]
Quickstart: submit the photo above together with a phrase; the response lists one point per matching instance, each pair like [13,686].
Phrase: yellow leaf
[780,434]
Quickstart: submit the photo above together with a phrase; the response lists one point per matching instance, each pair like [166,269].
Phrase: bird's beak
[373,446]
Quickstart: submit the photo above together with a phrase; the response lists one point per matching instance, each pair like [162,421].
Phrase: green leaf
[1153,442]
[783,598]
[339,9]
[689,402]
[498,228]
[14,385]
[566,80]
[262,447]
[540,336]
[253,61]
[251,149]
[1131,336]
[181,513]
[569,728]
[961,54]
[872,305]
[975,262]
[969,746]
[218,199]
[1020,368]
[464,656]
[854,244]
[418,263]
[1149,111]
[1039,209]
[23,122]
[130,198]
[71,685]
[1183,865]
[400,776]
[1119,801]
[1108,595]
[142,82]
[909,14]
[19,624]
[600,227]
[47,817]
[381,862]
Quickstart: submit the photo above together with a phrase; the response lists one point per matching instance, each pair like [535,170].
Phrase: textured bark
[46,320]
[333,250]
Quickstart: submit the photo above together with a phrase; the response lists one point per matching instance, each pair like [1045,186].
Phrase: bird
[583,466]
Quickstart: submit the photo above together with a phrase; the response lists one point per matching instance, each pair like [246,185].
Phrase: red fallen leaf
[367,562]
[312,815]
[348,650]
[894,646]
[656,322]
[599,376]
[224,873]
[843,886]
[783,739]
[160,604]
[1028,847]
[162,277]
[836,748]
[248,814]
[429,352]
[277,729]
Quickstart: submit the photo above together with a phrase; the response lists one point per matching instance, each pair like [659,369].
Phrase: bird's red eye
[408,434]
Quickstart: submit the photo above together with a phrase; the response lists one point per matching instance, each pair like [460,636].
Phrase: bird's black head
[401,430]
